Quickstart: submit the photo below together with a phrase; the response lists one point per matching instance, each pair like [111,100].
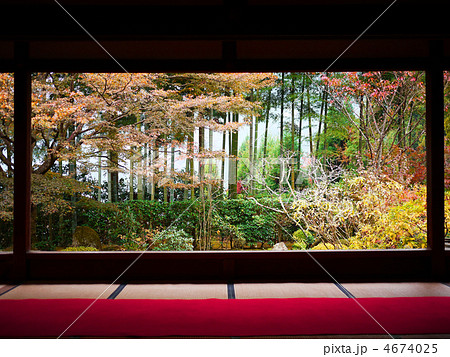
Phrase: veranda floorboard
[362,290]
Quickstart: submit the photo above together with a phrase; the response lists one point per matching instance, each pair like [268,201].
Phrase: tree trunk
[152,174]
[361,113]
[99,177]
[266,130]
[114,176]
[191,165]
[250,151]
[224,141]
[210,163]
[291,155]
[73,175]
[233,162]
[299,154]
[156,162]
[325,126]
[140,177]
[230,149]
[322,106]
[281,131]
[109,183]
[255,151]
[201,164]
[187,170]
[165,168]
[308,96]
[282,116]
[140,167]
[61,215]
[172,170]
[131,177]
[201,173]
[145,164]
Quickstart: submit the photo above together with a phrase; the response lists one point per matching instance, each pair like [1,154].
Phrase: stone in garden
[86,237]
[280,246]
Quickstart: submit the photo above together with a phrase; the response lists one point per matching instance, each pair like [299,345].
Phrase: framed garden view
[42,62]
[228,161]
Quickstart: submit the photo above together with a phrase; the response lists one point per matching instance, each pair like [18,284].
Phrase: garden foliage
[138,225]
[363,211]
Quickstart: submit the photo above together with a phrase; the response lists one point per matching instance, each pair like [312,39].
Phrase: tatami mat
[4,288]
[59,291]
[219,291]
[174,291]
[287,290]
[360,290]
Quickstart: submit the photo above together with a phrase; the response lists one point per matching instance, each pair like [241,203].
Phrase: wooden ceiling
[205,35]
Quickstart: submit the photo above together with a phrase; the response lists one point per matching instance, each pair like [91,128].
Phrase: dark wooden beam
[435,158]
[22,161]
[221,65]
[381,265]
[226,22]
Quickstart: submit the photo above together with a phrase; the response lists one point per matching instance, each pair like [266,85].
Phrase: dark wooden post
[22,161]
[435,159]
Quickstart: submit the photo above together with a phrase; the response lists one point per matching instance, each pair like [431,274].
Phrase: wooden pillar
[435,160]
[22,161]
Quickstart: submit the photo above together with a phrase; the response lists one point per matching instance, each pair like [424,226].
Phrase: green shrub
[303,239]
[244,221]
[132,241]
[122,224]
[109,220]
[173,239]
[44,245]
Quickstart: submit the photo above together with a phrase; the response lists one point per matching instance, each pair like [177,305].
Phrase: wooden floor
[230,291]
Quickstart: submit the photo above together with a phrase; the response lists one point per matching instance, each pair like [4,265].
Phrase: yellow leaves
[374,211]
[402,225]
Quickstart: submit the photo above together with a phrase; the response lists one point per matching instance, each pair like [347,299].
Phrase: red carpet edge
[216,317]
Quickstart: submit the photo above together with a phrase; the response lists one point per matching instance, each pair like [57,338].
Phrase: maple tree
[391,112]
[116,118]
[78,116]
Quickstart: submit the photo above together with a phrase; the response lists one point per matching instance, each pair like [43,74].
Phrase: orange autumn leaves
[80,116]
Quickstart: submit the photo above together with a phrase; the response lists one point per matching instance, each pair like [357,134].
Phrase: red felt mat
[261,317]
